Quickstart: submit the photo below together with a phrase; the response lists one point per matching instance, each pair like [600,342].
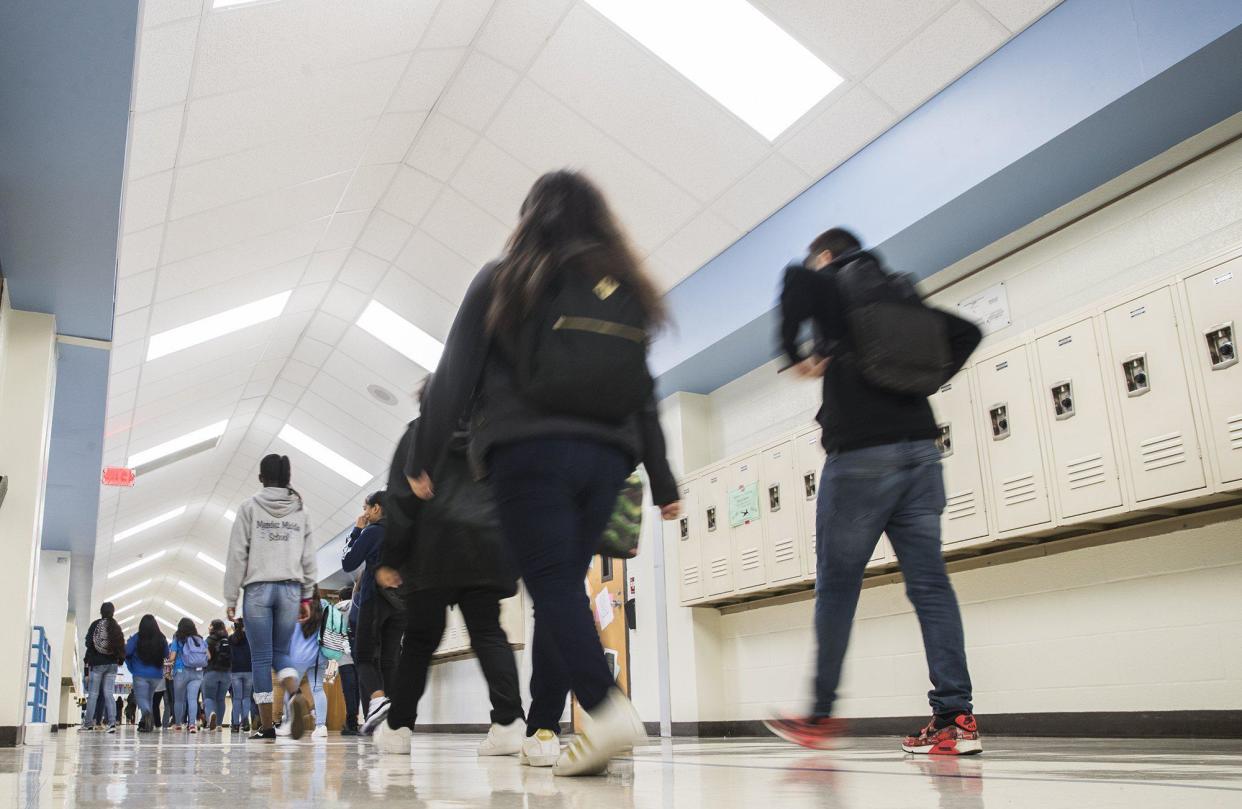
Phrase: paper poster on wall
[603,609]
[743,505]
[989,310]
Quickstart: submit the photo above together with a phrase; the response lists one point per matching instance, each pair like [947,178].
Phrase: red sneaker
[817,733]
[958,739]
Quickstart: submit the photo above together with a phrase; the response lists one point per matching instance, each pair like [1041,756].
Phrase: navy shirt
[363,547]
[239,648]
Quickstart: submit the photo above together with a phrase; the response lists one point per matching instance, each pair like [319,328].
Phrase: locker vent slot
[720,567]
[1162,451]
[1016,491]
[784,551]
[961,505]
[690,576]
[751,559]
[1235,431]
[1085,472]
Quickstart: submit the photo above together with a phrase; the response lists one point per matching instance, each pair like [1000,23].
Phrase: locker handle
[998,416]
[1063,400]
[1135,373]
[1221,351]
[774,498]
[711,519]
[944,441]
[808,484]
[684,527]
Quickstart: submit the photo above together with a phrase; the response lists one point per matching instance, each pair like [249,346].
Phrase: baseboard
[12,735]
[451,728]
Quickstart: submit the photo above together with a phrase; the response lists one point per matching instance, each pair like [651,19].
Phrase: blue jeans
[554,498]
[896,489]
[102,682]
[271,610]
[242,685]
[215,686]
[349,688]
[314,678]
[144,687]
[188,683]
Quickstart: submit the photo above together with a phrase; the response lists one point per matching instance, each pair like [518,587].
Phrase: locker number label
[1142,310]
[1223,278]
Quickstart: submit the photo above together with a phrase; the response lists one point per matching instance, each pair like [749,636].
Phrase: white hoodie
[271,542]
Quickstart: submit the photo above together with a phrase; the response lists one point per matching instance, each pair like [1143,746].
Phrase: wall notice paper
[743,505]
[989,310]
[603,609]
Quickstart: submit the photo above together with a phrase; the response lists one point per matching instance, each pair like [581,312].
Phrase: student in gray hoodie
[271,562]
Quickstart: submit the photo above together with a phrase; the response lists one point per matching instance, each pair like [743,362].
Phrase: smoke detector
[382,395]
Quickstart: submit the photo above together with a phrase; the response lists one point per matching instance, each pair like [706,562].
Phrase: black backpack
[222,654]
[900,344]
[583,351]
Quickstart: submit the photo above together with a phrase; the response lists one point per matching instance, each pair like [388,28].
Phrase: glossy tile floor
[150,772]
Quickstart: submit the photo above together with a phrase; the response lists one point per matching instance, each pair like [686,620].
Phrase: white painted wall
[52,612]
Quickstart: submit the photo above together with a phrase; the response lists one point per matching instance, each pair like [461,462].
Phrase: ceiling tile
[130,325]
[518,29]
[437,267]
[392,137]
[153,141]
[134,291]
[129,355]
[146,201]
[154,14]
[324,266]
[836,133]
[940,53]
[465,227]
[370,362]
[440,147]
[278,249]
[494,181]
[1017,14]
[139,251]
[694,245]
[307,297]
[169,313]
[345,302]
[363,271]
[761,193]
[367,186]
[410,299]
[165,56]
[456,23]
[477,91]
[424,81]
[384,235]
[312,352]
[343,230]
[326,329]
[411,195]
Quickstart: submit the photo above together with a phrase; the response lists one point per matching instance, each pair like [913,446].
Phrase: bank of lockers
[747,536]
[779,502]
[711,498]
[1214,300]
[1152,394]
[1070,393]
[688,539]
[965,517]
[456,638]
[1011,441]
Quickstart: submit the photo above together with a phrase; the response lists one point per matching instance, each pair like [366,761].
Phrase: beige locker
[965,517]
[513,619]
[686,535]
[1011,441]
[749,568]
[779,501]
[1149,377]
[716,549]
[809,457]
[1215,300]
[1084,467]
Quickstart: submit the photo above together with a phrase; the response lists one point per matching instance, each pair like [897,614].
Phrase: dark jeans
[377,644]
[349,689]
[555,497]
[896,489]
[425,619]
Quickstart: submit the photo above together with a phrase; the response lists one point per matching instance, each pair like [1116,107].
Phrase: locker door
[1011,441]
[809,457]
[747,536]
[965,514]
[778,496]
[685,534]
[1215,297]
[1157,416]
[513,618]
[716,550]
[1071,390]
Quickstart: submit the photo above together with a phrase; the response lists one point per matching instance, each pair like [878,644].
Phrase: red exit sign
[118,476]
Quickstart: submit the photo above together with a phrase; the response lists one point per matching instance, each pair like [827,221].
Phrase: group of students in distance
[541,407]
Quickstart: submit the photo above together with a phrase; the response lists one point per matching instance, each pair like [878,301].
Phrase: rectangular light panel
[209,328]
[128,590]
[332,460]
[128,607]
[189,588]
[179,443]
[182,611]
[230,514]
[402,335]
[167,624]
[120,571]
[733,53]
[151,523]
[217,564]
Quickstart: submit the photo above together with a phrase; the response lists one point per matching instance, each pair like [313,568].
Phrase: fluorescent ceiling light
[128,590]
[401,334]
[209,328]
[183,611]
[733,53]
[177,444]
[230,514]
[123,570]
[202,557]
[336,462]
[185,585]
[168,624]
[151,523]
[129,607]
[233,3]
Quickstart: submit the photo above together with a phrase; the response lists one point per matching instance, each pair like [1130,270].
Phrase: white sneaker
[540,750]
[283,729]
[377,714]
[613,727]
[504,740]
[393,742]
[321,732]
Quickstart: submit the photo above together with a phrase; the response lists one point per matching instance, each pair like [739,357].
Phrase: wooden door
[606,588]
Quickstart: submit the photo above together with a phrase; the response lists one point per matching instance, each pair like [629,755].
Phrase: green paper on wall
[743,505]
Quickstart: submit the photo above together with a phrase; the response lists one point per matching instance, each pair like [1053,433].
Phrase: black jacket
[855,414]
[475,382]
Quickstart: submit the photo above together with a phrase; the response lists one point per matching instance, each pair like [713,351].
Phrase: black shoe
[264,735]
[350,732]
[146,725]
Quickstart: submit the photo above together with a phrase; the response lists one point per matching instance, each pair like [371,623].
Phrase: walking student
[188,655]
[306,659]
[546,361]
[241,678]
[346,667]
[145,652]
[105,651]
[271,564]
[882,475]
[216,678]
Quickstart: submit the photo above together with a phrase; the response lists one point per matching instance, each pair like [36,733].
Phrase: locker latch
[1063,400]
[808,484]
[1220,346]
[685,528]
[711,519]
[944,441]
[1135,371]
[999,416]
[774,498]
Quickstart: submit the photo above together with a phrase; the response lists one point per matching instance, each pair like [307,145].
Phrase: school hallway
[85,769]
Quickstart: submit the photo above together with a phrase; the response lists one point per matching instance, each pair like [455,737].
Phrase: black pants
[377,645]
[425,619]
[349,688]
